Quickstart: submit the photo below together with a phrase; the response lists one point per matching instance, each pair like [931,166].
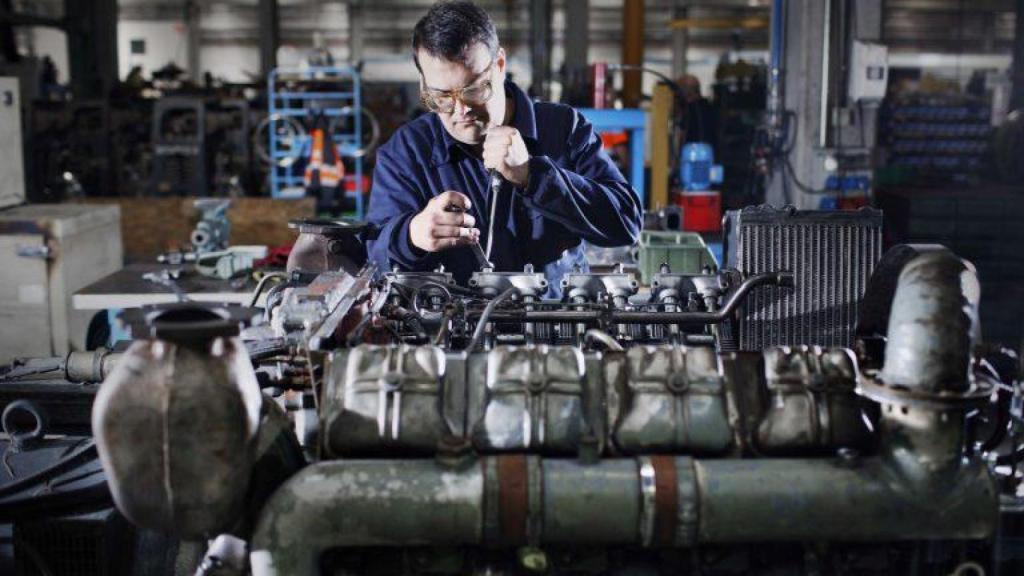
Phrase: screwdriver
[478,251]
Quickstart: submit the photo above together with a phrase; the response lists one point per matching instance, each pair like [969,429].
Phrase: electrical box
[12,167]
[869,71]
[47,253]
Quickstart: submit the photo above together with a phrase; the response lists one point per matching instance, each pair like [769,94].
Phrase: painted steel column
[356,31]
[92,46]
[662,112]
[192,40]
[632,51]
[270,35]
[540,47]
[575,70]
[680,44]
[1017,100]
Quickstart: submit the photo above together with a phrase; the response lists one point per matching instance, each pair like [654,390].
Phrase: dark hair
[452,27]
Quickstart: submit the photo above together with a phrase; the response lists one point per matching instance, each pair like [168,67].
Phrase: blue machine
[697,168]
[634,122]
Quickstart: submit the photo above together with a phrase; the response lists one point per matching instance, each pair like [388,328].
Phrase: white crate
[47,252]
[12,167]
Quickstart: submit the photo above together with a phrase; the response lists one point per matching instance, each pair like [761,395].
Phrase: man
[431,196]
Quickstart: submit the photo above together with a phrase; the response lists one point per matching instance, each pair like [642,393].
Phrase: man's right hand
[439,227]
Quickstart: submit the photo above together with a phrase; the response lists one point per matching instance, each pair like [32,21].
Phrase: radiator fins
[832,255]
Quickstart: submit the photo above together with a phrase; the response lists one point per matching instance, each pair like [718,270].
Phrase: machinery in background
[213,231]
[201,147]
[398,423]
[702,207]
[936,141]
[739,98]
[132,146]
[89,148]
[180,162]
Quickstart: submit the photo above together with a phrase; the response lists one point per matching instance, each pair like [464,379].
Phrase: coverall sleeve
[395,198]
[593,199]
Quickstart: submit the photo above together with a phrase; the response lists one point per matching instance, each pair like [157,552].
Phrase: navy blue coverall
[575,194]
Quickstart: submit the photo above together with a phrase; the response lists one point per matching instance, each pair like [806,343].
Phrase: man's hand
[505,151]
[435,228]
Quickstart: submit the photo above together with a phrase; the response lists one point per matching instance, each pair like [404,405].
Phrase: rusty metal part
[314,316]
[812,405]
[164,471]
[666,399]
[513,499]
[420,502]
[326,246]
[666,500]
[358,290]
[931,324]
[558,400]
[379,396]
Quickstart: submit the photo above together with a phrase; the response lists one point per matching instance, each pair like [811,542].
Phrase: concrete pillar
[804,72]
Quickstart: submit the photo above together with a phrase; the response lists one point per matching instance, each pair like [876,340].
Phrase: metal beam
[16,19]
[632,51]
[1017,98]
[680,44]
[356,31]
[575,70]
[540,47]
[577,33]
[8,46]
[270,35]
[192,39]
[92,46]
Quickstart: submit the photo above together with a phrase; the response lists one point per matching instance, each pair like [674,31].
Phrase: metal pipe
[776,105]
[931,325]
[365,503]
[650,501]
[604,338]
[802,500]
[486,315]
[90,366]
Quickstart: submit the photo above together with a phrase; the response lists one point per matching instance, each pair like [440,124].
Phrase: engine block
[399,423]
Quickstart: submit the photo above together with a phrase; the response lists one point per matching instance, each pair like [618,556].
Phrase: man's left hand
[505,151]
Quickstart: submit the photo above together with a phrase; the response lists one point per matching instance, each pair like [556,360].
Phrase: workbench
[126,289]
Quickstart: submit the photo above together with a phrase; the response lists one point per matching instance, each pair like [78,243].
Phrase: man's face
[467,122]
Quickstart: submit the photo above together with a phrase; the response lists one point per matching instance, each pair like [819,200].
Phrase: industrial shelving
[297,95]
